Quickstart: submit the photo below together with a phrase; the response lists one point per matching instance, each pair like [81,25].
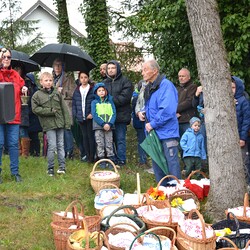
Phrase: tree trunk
[226,170]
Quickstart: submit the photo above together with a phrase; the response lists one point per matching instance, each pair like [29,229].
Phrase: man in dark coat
[121,89]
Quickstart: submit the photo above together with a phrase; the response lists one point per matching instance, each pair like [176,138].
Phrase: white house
[48,22]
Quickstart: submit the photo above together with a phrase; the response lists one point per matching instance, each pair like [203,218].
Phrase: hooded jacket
[161,108]
[242,109]
[50,109]
[121,89]
[192,144]
[10,75]
[103,111]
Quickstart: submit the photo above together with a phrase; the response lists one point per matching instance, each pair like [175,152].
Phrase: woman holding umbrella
[10,131]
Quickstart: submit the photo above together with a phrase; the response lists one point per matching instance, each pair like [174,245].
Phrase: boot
[25,145]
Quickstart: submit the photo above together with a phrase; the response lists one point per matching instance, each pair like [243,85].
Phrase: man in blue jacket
[161,101]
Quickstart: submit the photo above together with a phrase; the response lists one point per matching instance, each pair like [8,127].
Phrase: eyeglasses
[7,57]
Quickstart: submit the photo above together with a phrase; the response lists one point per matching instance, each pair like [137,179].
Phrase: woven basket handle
[247,245]
[140,236]
[104,160]
[108,185]
[231,242]
[201,219]
[127,224]
[164,228]
[195,172]
[105,239]
[165,177]
[229,215]
[246,204]
[70,206]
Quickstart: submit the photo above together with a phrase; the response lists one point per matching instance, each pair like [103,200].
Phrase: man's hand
[148,127]
[106,127]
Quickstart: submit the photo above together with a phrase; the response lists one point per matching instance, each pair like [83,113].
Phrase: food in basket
[193,228]
[150,242]
[122,239]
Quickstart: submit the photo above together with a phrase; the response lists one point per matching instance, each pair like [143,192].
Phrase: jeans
[55,144]
[120,141]
[170,149]
[10,132]
[68,142]
[140,138]
[23,132]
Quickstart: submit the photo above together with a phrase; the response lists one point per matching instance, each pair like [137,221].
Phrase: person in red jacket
[10,131]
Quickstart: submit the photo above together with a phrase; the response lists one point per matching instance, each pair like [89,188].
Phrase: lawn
[26,208]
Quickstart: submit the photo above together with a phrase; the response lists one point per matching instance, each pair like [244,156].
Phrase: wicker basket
[87,234]
[234,247]
[105,223]
[244,217]
[162,203]
[111,186]
[186,194]
[152,224]
[98,181]
[153,232]
[185,242]
[247,245]
[119,228]
[61,217]
[240,239]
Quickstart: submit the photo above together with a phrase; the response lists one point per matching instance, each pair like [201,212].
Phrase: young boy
[192,144]
[104,115]
[49,106]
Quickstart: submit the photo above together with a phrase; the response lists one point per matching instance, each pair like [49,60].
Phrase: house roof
[50,12]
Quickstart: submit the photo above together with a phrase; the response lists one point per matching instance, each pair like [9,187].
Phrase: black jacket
[121,89]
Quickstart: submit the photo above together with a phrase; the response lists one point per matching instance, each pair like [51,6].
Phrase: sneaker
[17,177]
[150,171]
[61,170]
[50,172]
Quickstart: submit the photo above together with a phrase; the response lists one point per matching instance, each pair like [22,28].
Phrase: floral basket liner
[108,196]
[200,189]
[242,213]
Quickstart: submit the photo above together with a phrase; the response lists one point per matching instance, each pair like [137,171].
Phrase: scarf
[152,87]
[56,77]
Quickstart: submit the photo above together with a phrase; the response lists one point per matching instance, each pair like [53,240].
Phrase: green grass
[26,208]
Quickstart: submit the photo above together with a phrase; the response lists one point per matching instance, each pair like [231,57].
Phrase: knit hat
[193,120]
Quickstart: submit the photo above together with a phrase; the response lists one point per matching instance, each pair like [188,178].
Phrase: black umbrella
[18,57]
[74,58]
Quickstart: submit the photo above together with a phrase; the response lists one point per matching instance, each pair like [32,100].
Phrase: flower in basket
[223,232]
[177,202]
[156,194]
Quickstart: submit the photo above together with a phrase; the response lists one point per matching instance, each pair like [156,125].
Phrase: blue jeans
[140,138]
[68,141]
[170,149]
[120,141]
[55,144]
[10,132]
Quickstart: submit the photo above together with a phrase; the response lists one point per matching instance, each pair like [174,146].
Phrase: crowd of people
[95,115]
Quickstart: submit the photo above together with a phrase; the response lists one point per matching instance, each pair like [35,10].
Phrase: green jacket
[50,109]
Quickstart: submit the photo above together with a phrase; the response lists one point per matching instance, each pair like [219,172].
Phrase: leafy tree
[163,27]
[13,30]
[97,43]
[64,32]
[226,170]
